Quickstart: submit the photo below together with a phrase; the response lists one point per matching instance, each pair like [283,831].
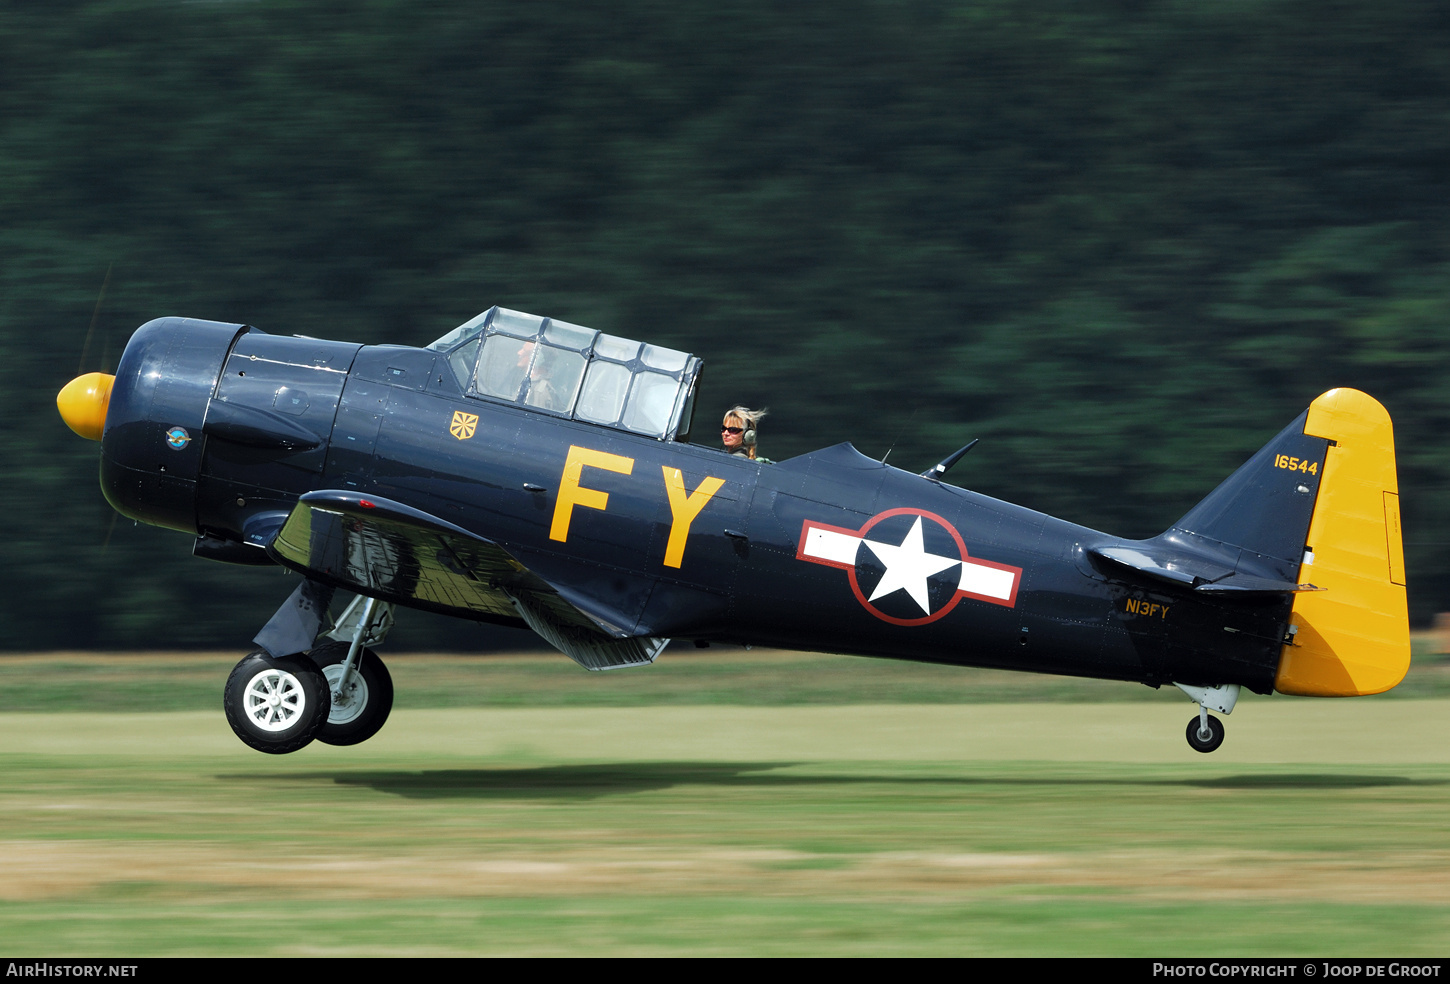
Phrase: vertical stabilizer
[1257,520]
[1352,637]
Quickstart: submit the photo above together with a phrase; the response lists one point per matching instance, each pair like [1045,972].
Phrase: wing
[388,550]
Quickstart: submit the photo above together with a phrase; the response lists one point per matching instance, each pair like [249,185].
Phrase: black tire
[276,705]
[1215,736]
[365,709]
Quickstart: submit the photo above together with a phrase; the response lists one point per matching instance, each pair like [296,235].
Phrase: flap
[390,550]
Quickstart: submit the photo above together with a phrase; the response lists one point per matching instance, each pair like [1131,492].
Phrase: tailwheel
[1205,733]
[276,704]
[360,708]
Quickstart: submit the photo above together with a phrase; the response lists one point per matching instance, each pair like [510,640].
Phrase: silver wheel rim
[273,699]
[347,706]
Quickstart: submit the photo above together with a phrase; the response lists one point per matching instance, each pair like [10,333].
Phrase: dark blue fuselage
[828,551]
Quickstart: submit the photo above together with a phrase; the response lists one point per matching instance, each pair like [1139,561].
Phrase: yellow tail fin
[1353,637]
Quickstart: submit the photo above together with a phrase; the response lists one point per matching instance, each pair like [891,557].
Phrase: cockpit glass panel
[462,360]
[687,414]
[605,387]
[516,323]
[651,403]
[619,349]
[563,334]
[554,379]
[662,358]
[504,367]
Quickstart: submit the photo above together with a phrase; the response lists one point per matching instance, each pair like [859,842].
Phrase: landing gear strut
[362,690]
[360,706]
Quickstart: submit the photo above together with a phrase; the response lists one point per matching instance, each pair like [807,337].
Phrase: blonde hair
[751,420]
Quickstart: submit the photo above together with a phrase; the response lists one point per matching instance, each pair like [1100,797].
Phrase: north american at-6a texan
[526,471]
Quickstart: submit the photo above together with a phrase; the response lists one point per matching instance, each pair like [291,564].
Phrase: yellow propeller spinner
[83,404]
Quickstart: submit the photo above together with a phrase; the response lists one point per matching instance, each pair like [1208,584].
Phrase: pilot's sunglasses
[731,430]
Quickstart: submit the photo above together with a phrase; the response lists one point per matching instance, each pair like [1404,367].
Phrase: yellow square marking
[464,424]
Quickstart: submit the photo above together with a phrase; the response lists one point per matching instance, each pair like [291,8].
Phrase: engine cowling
[152,446]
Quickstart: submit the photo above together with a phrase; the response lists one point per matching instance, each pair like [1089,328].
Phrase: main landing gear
[1205,732]
[276,704]
[339,692]
[360,707]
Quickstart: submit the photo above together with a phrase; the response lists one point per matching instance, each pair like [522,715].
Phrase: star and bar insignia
[908,566]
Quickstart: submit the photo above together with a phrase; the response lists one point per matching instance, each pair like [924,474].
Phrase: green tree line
[1123,243]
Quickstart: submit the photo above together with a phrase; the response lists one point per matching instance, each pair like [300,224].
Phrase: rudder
[1352,637]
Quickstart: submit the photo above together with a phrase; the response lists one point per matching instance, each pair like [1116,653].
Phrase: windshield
[473,326]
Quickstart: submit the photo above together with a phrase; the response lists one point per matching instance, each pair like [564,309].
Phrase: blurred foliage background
[1123,243]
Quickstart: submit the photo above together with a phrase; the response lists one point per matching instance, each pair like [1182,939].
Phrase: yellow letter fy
[683,510]
[570,492]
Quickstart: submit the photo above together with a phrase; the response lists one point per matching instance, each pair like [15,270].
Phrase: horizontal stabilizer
[1171,562]
[1249,584]
[1164,563]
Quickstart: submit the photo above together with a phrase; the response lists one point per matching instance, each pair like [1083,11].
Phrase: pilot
[541,388]
[738,432]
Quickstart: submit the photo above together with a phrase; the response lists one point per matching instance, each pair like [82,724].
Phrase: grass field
[798,805]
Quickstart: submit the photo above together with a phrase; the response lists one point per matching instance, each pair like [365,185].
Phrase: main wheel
[359,712]
[276,705]
[1201,742]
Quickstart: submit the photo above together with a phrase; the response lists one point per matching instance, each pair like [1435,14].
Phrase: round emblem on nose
[177,438]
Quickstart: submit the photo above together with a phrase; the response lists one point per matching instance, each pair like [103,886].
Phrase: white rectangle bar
[990,582]
[838,548]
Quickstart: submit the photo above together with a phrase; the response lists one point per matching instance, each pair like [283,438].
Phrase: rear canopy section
[1352,637]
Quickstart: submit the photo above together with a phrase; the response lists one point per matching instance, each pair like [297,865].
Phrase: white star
[908,566]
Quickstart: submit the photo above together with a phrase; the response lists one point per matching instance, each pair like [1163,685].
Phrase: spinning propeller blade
[83,401]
